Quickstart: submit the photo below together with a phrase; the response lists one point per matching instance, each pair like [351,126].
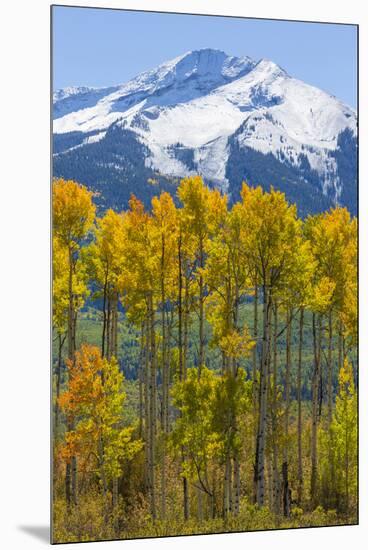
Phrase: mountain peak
[211,52]
[269,68]
[206,62]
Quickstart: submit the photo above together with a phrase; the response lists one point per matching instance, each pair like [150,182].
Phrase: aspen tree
[59,310]
[139,284]
[227,279]
[185,280]
[340,443]
[294,295]
[104,258]
[164,224]
[73,216]
[96,398]
[202,213]
[271,232]
[193,429]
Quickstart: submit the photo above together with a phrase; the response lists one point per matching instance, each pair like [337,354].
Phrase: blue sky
[100,47]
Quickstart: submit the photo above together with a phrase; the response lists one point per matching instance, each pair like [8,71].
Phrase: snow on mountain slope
[189,107]
[73,99]
[289,118]
[188,76]
[70,91]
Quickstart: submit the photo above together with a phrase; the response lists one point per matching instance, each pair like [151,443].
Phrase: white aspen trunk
[255,388]
[262,422]
[186,491]
[329,367]
[101,461]
[315,384]
[71,467]
[299,397]
[201,315]
[287,383]
[165,389]
[147,408]
[186,327]
[180,308]
[181,362]
[114,339]
[285,466]
[141,375]
[108,327]
[152,441]
[347,468]
[270,483]
[255,336]
[275,458]
[104,321]
[58,382]
[71,347]
[227,487]
[340,347]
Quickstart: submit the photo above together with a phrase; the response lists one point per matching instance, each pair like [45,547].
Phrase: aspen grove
[204,364]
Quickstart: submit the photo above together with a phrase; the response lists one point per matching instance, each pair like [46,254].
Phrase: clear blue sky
[101,47]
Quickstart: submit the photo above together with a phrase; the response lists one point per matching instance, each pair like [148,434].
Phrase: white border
[24,271]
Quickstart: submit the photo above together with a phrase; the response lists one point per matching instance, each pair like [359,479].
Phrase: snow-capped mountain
[226,118]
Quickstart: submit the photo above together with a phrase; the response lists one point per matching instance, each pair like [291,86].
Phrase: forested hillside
[204,364]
